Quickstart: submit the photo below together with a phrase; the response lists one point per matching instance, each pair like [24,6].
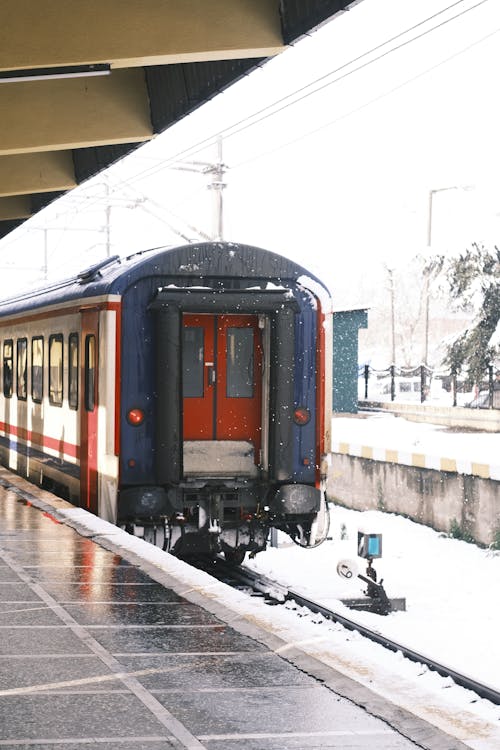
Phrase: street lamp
[427,270]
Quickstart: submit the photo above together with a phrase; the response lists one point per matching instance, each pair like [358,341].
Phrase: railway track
[244,578]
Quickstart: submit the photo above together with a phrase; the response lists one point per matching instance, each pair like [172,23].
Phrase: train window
[90,362]
[22,369]
[37,369]
[8,367]
[239,363]
[73,363]
[56,369]
[192,362]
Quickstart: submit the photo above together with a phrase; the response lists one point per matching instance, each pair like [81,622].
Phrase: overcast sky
[339,178]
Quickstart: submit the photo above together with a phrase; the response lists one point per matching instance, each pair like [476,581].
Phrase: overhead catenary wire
[288,100]
[364,65]
[366,104]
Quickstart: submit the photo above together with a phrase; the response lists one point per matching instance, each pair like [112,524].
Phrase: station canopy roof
[82,84]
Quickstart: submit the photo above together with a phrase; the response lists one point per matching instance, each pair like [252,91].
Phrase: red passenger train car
[183,393]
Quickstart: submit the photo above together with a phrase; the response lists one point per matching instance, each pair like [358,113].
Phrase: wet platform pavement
[96,654]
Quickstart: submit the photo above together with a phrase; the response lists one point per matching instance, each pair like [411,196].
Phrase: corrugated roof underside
[299,17]
[177,90]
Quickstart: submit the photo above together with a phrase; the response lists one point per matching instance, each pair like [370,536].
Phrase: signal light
[301,415]
[135,417]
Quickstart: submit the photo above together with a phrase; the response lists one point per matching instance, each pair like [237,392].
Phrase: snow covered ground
[392,432]
[452,588]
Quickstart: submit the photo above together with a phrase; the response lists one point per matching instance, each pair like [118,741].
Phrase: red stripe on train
[16,318]
[44,441]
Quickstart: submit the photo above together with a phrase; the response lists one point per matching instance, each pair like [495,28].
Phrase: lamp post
[427,270]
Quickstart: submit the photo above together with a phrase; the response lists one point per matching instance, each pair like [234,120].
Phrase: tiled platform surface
[96,654]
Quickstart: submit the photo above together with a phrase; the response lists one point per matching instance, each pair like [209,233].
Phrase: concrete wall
[435,498]
[487,420]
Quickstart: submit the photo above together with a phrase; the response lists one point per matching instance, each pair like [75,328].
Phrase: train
[183,393]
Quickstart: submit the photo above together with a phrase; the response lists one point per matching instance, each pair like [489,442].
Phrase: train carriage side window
[239,363]
[73,364]
[90,380]
[8,367]
[56,369]
[22,369]
[37,369]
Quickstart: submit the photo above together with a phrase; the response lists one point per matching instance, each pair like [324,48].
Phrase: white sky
[339,181]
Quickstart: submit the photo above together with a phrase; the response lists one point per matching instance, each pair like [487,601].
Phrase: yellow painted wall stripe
[481,470]
[392,456]
[420,460]
[449,464]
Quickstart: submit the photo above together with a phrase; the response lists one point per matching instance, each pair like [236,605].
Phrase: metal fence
[425,385]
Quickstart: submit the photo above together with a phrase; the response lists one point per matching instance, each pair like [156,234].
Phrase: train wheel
[234,556]
[155,535]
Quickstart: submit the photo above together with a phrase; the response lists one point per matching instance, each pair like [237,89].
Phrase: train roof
[201,260]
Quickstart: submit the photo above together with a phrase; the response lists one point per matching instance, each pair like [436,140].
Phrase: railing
[424,384]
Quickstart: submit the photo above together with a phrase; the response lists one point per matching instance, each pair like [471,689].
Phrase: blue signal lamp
[369,545]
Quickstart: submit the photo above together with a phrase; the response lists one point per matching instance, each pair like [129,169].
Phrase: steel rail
[281,593]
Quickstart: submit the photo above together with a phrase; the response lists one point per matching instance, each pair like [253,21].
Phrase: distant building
[346,324]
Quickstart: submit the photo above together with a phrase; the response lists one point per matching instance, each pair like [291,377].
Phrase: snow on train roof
[202,260]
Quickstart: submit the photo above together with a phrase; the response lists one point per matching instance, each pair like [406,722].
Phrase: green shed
[346,324]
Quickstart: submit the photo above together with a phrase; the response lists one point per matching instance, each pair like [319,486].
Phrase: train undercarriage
[207,520]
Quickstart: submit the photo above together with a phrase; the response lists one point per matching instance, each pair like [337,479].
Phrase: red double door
[222,378]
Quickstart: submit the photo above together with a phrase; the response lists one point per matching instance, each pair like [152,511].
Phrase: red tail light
[135,417]
[301,415]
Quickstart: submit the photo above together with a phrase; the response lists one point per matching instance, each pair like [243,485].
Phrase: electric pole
[217,186]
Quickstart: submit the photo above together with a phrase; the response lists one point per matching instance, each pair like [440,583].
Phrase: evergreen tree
[474,284]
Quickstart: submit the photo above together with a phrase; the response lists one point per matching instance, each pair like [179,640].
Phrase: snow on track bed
[277,593]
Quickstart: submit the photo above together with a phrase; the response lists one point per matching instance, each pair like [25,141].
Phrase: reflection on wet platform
[96,654]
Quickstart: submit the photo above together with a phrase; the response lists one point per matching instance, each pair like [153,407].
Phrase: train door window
[239,363]
[73,363]
[22,369]
[90,363]
[56,369]
[192,362]
[37,369]
[8,367]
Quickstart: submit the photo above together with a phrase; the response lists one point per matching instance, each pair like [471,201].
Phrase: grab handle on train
[211,376]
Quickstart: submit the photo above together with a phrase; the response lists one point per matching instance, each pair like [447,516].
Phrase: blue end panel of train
[138,383]
[305,387]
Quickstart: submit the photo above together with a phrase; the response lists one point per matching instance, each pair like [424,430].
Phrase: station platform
[101,649]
